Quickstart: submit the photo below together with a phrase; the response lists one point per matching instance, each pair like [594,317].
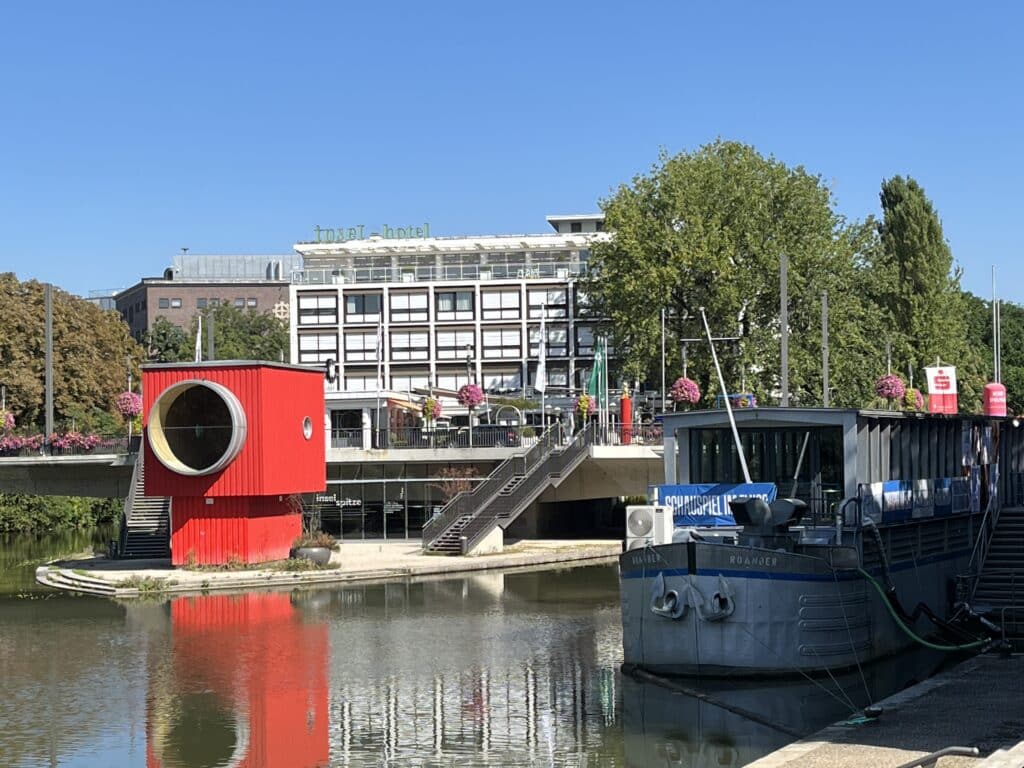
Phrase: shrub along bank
[22,513]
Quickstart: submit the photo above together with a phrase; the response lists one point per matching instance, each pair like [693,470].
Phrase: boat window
[803,463]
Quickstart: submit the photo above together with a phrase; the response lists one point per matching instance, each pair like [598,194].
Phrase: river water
[489,669]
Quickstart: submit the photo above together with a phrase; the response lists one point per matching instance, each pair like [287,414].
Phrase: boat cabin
[897,465]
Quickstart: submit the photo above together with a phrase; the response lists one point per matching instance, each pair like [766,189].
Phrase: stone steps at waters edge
[68,581]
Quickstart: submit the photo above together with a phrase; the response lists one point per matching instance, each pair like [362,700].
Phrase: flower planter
[319,555]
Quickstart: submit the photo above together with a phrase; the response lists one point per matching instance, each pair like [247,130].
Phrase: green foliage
[248,335]
[915,284]
[92,352]
[167,342]
[708,229]
[238,334]
[22,513]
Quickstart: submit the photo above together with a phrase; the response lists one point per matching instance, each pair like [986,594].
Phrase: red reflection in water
[245,686]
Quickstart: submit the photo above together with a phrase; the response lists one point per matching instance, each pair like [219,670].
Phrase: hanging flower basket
[891,387]
[431,409]
[470,395]
[585,405]
[129,404]
[685,390]
[913,400]
[6,421]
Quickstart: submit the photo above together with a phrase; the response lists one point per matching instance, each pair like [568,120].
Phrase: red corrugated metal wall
[249,529]
[276,458]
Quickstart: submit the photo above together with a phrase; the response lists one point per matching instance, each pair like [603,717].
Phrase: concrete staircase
[1002,577]
[506,492]
[146,522]
[450,542]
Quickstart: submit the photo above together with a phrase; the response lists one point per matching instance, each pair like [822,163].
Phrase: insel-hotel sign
[344,234]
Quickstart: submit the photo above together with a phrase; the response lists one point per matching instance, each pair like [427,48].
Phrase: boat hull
[790,613]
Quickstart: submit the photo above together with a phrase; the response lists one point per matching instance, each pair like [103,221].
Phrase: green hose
[908,630]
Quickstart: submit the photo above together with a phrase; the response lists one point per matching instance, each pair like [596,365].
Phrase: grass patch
[80,572]
[234,563]
[296,564]
[147,585]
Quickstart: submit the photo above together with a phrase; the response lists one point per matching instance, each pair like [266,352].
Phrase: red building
[233,443]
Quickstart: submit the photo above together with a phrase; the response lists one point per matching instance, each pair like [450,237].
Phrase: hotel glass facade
[441,312]
[401,317]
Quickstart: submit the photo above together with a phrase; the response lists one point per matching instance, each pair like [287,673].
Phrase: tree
[238,334]
[245,334]
[708,229]
[167,342]
[92,351]
[915,282]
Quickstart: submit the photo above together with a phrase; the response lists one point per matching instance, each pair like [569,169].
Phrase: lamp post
[469,380]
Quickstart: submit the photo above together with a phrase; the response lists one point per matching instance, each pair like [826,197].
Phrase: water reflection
[245,685]
[737,722]
[492,669]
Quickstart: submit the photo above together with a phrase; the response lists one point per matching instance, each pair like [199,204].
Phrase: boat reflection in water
[244,686]
[736,722]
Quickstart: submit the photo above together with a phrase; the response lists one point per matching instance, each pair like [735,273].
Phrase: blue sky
[129,130]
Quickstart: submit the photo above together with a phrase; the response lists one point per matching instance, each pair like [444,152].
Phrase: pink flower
[890,386]
[470,395]
[129,404]
[913,399]
[685,390]
[6,421]
[432,409]
[585,405]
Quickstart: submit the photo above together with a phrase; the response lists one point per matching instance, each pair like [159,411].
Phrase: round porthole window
[196,427]
[307,428]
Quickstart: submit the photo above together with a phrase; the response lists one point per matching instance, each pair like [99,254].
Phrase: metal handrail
[468,502]
[129,505]
[536,475]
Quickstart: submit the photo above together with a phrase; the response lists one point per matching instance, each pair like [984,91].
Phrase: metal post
[662,359]
[784,326]
[995,330]
[888,357]
[725,396]
[824,349]
[469,380]
[682,351]
[48,309]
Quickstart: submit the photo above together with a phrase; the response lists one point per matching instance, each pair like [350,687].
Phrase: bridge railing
[68,444]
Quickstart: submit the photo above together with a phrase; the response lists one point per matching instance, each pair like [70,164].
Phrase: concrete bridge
[104,475]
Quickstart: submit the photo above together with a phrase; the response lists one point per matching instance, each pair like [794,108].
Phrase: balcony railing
[483,436]
[547,270]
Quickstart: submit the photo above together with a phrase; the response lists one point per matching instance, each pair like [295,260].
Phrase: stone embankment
[354,561]
[975,704]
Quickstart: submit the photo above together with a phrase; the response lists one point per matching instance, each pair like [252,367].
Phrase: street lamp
[469,380]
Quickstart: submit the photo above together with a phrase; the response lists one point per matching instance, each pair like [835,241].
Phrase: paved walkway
[363,560]
[976,704]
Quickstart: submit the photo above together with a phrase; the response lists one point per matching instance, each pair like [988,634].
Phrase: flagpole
[380,376]
[199,340]
[541,383]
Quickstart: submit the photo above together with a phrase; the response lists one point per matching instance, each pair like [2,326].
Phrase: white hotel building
[428,314]
[449,310]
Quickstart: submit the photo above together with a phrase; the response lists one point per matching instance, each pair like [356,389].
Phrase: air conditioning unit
[648,525]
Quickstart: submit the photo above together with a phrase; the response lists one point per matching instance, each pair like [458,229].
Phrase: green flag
[595,384]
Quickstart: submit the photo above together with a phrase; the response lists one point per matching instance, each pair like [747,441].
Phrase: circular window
[307,428]
[196,427]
